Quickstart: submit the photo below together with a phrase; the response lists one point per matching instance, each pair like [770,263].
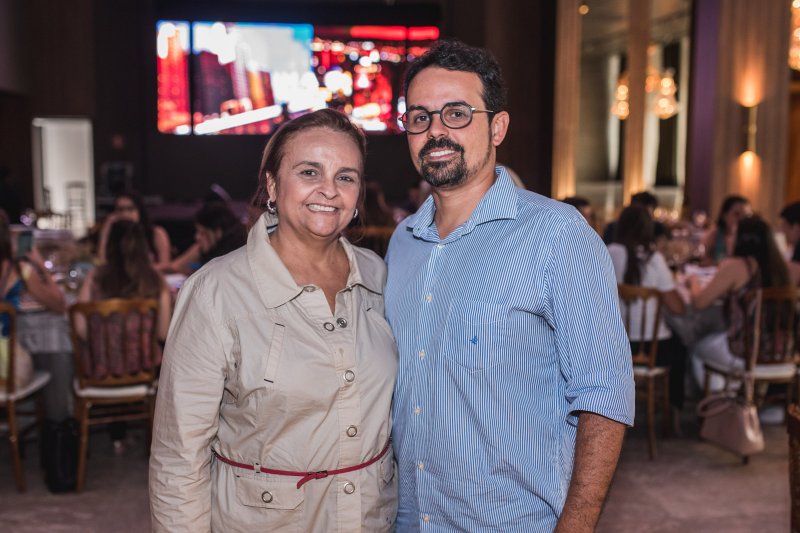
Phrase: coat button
[328,326]
[349,488]
[341,322]
[309,288]
[266,496]
[349,376]
[352,431]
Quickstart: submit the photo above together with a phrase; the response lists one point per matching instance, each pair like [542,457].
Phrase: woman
[719,241]
[273,408]
[636,262]
[17,276]
[217,232]
[756,263]
[129,206]
[790,227]
[27,273]
[127,273]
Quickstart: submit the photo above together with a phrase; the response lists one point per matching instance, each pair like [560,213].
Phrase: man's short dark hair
[645,198]
[454,55]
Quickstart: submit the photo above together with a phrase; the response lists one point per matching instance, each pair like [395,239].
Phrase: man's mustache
[439,144]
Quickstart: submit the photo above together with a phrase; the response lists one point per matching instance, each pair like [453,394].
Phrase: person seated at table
[637,262]
[218,231]
[25,274]
[649,202]
[127,273]
[719,241]
[755,263]
[790,227]
[130,206]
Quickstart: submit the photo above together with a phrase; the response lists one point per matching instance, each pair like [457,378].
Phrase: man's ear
[499,127]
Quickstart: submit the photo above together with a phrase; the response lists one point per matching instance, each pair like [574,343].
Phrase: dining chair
[12,393]
[116,363]
[646,303]
[769,342]
[793,427]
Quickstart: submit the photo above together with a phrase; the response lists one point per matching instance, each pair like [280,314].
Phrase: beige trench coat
[257,369]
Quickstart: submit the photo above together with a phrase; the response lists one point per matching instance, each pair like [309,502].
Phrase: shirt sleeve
[593,349]
[664,280]
[191,385]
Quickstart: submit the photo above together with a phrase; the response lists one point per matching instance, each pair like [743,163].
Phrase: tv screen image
[360,69]
[172,65]
[247,78]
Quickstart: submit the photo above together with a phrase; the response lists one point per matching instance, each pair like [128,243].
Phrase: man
[515,381]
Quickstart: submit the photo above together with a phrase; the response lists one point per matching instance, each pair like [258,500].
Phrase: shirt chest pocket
[261,347]
[474,334]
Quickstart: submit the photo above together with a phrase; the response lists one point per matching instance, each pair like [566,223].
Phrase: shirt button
[349,488]
[349,376]
[421,466]
[439,246]
[422,354]
[417,410]
[352,431]
[328,326]
[309,288]
[426,518]
[266,496]
[428,297]
[341,322]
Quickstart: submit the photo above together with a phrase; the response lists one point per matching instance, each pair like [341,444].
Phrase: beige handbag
[731,421]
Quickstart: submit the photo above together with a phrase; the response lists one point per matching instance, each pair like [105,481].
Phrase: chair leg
[706,381]
[13,439]
[651,415]
[82,412]
[666,423]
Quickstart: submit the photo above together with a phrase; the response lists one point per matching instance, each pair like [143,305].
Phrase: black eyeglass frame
[472,111]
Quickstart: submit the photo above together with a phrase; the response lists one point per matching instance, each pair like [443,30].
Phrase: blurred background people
[130,206]
[583,206]
[217,232]
[127,272]
[790,227]
[637,262]
[719,241]
[26,273]
[376,210]
[755,262]
[650,203]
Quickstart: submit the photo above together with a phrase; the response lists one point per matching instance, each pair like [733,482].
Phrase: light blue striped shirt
[505,329]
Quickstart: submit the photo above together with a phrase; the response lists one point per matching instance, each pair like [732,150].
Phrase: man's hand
[597,448]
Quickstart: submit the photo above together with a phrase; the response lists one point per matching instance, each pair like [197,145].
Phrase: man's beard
[450,173]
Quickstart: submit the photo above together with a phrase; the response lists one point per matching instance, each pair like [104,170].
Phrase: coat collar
[275,283]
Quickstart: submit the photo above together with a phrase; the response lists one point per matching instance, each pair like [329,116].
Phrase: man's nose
[437,129]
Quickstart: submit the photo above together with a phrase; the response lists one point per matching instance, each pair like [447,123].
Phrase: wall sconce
[750,128]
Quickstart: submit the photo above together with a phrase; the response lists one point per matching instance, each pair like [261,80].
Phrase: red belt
[305,477]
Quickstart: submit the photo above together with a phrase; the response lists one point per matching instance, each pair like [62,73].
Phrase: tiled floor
[690,487]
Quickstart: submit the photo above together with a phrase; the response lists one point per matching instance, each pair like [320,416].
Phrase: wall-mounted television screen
[247,78]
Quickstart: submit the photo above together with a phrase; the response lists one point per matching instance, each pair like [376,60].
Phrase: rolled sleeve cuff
[616,404]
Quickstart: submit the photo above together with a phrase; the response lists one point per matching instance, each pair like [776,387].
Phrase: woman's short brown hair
[276,147]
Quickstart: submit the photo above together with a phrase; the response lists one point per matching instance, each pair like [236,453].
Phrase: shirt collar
[499,203]
[275,283]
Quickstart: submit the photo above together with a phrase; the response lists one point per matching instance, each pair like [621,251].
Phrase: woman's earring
[355,213]
[271,207]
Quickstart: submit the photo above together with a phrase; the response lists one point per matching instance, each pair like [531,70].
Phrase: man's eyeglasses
[455,115]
